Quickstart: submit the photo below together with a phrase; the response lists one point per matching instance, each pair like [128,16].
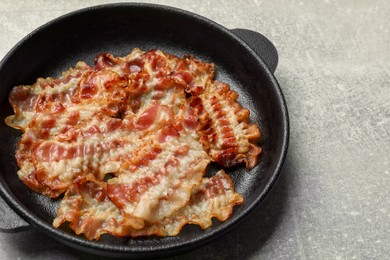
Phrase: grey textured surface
[332,200]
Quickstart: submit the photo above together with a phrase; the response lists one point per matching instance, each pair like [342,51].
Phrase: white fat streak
[60,88]
[86,118]
[20,121]
[198,213]
[171,96]
[202,78]
[25,169]
[106,162]
[152,81]
[64,170]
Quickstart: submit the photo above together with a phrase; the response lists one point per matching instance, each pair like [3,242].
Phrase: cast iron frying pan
[118,28]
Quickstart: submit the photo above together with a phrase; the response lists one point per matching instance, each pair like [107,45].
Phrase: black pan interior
[118,29]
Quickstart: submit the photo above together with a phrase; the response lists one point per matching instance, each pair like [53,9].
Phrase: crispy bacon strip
[27,100]
[81,150]
[215,197]
[224,128]
[90,212]
[164,181]
[87,207]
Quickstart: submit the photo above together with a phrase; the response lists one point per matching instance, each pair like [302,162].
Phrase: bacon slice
[96,147]
[164,182]
[224,128]
[214,197]
[87,207]
[26,100]
[90,212]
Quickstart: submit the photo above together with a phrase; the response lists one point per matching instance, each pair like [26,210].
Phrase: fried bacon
[45,93]
[215,197]
[90,212]
[224,128]
[163,182]
[87,207]
[152,121]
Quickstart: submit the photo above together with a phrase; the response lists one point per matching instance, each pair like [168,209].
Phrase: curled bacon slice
[215,197]
[163,183]
[90,212]
[27,100]
[224,128]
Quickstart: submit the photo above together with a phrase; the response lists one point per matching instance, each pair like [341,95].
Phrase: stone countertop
[332,199]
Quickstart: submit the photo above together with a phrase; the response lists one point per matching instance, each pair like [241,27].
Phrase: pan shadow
[249,238]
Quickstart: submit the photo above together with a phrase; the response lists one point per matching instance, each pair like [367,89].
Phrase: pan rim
[94,246]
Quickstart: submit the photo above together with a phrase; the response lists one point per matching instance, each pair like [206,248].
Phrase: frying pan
[244,59]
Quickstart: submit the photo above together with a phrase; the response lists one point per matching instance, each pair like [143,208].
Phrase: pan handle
[10,221]
[261,45]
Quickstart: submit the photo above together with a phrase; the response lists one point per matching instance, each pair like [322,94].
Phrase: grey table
[332,199]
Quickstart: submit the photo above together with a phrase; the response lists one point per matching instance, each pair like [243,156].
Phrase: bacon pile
[128,142]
